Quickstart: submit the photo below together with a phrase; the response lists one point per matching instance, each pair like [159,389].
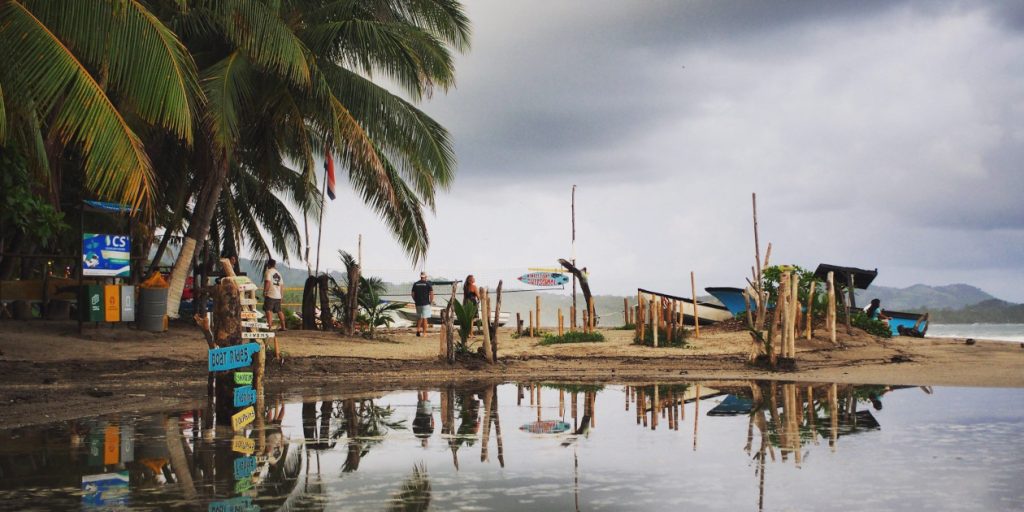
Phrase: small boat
[732,406]
[732,298]
[912,324]
[707,312]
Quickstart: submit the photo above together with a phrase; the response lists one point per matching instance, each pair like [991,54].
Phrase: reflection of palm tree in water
[365,424]
[415,494]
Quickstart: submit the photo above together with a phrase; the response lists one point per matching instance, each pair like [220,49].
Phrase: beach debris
[970,341]
[900,358]
[99,393]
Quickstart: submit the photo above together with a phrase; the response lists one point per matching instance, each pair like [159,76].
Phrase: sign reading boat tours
[544,279]
[106,255]
[229,358]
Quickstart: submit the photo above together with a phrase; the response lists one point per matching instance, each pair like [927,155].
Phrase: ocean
[999,332]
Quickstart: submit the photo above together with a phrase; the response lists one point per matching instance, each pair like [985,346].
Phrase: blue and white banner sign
[106,255]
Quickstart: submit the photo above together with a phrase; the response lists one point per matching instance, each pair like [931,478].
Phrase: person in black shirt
[423,296]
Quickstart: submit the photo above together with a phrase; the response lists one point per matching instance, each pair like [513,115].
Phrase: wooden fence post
[831,315]
[486,323]
[531,324]
[537,316]
[496,324]
[696,316]
[810,309]
[625,311]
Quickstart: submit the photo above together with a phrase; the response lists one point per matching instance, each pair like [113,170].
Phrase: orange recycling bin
[112,303]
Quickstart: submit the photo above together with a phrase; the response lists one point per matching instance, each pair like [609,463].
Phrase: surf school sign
[106,255]
[544,279]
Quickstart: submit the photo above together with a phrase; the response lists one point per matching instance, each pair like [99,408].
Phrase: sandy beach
[51,374]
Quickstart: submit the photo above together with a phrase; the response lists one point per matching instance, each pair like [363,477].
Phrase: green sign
[243,377]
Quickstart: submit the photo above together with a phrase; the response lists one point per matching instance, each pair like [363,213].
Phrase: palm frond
[228,86]
[41,70]
[404,218]
[259,32]
[3,118]
[137,55]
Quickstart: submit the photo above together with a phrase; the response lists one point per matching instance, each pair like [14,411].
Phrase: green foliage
[573,337]
[770,277]
[291,320]
[626,327]
[678,341]
[23,211]
[375,311]
[465,313]
[871,326]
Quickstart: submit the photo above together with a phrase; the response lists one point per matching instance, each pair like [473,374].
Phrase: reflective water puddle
[541,446]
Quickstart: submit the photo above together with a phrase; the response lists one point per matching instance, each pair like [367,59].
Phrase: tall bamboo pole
[810,309]
[531,324]
[655,318]
[537,316]
[795,305]
[696,316]
[831,308]
[485,304]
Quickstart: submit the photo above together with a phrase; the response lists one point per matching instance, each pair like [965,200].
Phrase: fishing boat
[707,312]
[732,298]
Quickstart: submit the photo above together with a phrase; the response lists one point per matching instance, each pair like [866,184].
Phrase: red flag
[329,166]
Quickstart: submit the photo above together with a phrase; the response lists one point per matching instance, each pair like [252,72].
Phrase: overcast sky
[876,134]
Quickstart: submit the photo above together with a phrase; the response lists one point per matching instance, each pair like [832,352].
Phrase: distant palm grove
[208,118]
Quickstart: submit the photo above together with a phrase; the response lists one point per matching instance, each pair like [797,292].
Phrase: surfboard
[544,279]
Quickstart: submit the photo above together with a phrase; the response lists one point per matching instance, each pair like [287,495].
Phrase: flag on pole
[329,166]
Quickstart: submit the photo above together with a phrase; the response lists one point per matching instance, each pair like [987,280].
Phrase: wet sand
[49,373]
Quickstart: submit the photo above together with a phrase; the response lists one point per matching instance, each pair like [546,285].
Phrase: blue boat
[898,320]
[731,298]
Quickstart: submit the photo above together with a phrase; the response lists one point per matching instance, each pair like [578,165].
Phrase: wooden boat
[907,322]
[707,312]
[732,298]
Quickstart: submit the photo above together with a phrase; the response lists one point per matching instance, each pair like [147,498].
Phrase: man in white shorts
[423,297]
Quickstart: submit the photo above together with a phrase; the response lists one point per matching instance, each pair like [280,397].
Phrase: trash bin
[152,309]
[90,303]
[127,303]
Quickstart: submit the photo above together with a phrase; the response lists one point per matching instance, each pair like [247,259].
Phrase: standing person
[273,285]
[423,296]
[469,292]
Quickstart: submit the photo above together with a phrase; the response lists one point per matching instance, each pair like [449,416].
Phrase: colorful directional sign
[247,287]
[244,395]
[243,485]
[229,358]
[258,325]
[249,315]
[243,418]
[243,445]
[257,335]
[243,377]
[247,302]
[544,279]
[244,467]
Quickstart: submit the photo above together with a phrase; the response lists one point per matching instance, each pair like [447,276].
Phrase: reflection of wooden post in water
[833,414]
[561,403]
[671,409]
[641,407]
[488,398]
[538,402]
[576,476]
[448,422]
[519,394]
[696,416]
[655,403]
[811,414]
[572,406]
[591,397]
[626,394]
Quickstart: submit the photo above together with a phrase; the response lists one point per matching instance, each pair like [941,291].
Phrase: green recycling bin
[90,303]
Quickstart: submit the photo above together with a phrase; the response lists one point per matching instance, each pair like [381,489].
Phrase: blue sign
[244,395]
[244,467]
[229,358]
[239,504]
[108,491]
[106,255]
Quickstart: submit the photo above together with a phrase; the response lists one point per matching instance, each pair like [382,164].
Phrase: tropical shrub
[466,314]
[573,337]
[873,327]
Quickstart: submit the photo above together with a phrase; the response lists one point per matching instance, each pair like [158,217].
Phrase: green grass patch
[627,327]
[873,327]
[573,337]
[677,341]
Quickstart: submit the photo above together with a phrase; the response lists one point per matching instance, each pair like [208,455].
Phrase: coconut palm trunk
[198,229]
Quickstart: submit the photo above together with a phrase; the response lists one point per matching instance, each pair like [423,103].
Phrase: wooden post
[560,322]
[655,319]
[593,319]
[795,300]
[625,311]
[851,304]
[449,328]
[696,316]
[782,306]
[538,312]
[831,316]
[531,324]
[486,323]
[496,324]
[810,309]
[519,325]
[671,321]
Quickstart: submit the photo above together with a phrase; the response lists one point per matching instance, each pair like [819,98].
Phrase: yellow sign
[112,303]
[249,315]
[243,444]
[243,418]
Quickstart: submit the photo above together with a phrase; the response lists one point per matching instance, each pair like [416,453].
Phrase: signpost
[106,255]
[257,335]
[229,358]
[243,377]
[244,395]
[243,445]
[244,467]
[242,418]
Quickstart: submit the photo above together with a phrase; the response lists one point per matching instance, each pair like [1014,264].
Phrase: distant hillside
[293,277]
[923,297]
[993,311]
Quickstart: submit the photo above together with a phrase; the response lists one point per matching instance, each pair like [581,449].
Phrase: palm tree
[283,81]
[80,82]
